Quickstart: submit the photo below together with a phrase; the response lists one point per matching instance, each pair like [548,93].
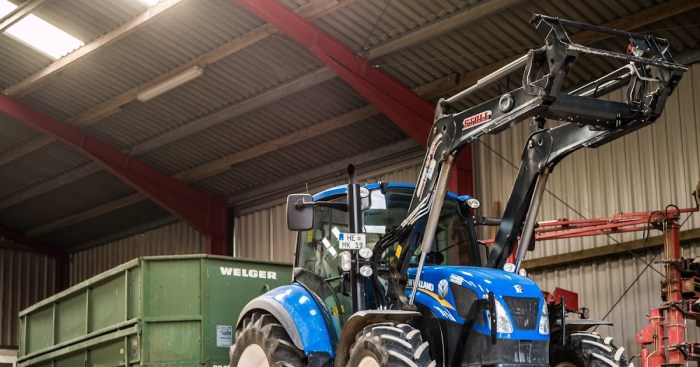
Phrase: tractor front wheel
[585,349]
[263,342]
[390,345]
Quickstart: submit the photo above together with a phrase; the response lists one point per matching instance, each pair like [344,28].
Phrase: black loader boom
[649,75]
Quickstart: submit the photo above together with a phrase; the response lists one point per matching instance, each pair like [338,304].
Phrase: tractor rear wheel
[263,342]
[390,345]
[586,349]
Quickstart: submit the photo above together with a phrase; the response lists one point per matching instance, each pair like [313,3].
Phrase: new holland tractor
[395,275]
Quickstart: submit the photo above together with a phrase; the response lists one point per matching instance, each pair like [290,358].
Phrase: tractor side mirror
[300,212]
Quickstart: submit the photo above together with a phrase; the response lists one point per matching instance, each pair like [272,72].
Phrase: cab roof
[343,189]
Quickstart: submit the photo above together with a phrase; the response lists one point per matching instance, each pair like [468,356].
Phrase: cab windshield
[317,249]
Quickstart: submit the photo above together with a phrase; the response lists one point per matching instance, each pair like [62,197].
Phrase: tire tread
[586,349]
[391,345]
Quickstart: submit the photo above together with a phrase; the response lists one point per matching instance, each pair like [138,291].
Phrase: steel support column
[461,178]
[207,214]
[406,109]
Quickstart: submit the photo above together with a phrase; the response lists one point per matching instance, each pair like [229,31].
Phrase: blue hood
[435,292]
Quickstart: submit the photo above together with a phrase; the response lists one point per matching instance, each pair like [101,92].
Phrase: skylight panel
[6,7]
[44,36]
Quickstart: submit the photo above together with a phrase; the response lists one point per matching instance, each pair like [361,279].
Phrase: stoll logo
[476,119]
[248,273]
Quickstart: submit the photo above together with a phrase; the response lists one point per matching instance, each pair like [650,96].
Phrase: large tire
[390,345]
[263,342]
[585,349]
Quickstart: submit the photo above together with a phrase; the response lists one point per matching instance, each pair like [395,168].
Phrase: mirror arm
[325,204]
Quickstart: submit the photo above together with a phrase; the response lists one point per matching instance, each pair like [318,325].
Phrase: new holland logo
[443,289]
[476,119]
[422,284]
[518,288]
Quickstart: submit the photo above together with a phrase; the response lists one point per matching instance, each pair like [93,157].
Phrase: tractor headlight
[544,320]
[345,261]
[366,271]
[503,324]
[365,252]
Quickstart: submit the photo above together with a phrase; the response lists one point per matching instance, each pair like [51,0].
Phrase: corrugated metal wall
[602,284]
[25,278]
[646,170]
[174,239]
[263,235]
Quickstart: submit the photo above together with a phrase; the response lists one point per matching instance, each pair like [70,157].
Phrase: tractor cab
[319,251]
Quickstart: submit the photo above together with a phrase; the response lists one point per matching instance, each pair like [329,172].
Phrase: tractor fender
[294,307]
[558,334]
[359,320]
[441,308]
[578,325]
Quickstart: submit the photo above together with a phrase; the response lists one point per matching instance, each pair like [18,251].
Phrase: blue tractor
[308,320]
[395,275]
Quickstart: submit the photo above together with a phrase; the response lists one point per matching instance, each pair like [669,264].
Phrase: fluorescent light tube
[169,84]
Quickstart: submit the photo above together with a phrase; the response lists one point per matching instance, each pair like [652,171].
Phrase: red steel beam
[413,114]
[409,111]
[206,213]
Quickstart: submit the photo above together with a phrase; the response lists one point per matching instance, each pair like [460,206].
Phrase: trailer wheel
[263,342]
[390,345]
[586,349]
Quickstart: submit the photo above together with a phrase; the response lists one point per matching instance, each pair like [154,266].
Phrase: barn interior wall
[603,289]
[646,170]
[173,239]
[25,278]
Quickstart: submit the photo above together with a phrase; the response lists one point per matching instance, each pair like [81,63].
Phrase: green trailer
[152,311]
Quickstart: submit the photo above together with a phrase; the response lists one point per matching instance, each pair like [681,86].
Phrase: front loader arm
[650,75]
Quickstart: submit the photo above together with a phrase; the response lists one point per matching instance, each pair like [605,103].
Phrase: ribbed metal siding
[173,239]
[646,170]
[252,237]
[25,278]
[263,235]
[601,284]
